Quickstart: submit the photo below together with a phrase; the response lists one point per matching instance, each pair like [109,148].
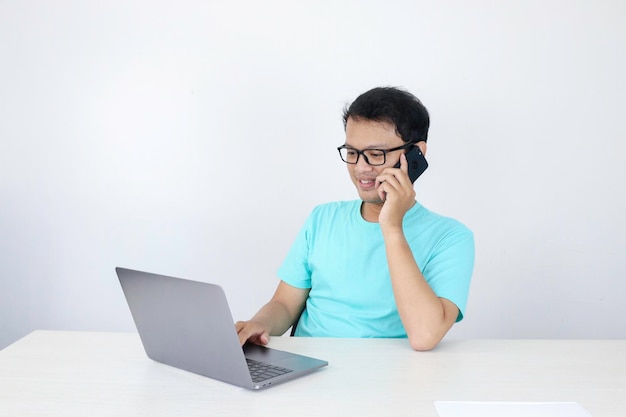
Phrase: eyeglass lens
[372,156]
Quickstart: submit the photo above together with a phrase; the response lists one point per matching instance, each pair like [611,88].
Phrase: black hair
[392,105]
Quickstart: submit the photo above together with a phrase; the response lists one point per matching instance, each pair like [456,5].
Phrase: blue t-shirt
[341,258]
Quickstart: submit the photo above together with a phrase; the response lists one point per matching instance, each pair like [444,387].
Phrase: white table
[59,373]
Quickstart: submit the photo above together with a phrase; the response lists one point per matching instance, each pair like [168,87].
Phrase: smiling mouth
[366,183]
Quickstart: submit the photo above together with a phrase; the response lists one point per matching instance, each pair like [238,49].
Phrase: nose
[362,164]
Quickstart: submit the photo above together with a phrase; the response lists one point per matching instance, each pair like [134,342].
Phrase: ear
[422,145]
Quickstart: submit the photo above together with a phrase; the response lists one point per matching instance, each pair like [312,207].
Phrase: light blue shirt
[341,258]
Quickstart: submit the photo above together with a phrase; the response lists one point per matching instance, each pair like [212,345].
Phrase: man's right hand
[252,331]
[275,317]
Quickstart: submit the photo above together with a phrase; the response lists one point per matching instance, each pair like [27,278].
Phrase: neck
[371,211]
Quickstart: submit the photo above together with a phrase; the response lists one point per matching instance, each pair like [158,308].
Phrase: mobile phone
[416,161]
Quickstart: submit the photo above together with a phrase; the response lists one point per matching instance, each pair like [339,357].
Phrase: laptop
[188,325]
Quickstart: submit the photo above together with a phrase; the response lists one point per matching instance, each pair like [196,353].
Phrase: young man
[380,266]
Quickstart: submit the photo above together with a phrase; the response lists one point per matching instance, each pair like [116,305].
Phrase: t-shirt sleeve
[295,269]
[449,270]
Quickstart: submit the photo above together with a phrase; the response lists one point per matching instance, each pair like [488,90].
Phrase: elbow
[425,335]
[423,343]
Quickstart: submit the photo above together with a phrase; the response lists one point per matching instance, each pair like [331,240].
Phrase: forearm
[425,316]
[275,317]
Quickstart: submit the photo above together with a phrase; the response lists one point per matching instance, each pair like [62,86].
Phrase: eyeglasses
[374,157]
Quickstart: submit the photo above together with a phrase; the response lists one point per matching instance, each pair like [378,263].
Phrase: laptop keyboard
[261,371]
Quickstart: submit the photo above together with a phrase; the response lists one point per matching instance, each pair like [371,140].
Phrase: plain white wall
[192,138]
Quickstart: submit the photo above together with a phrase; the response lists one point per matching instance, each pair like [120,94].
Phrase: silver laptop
[188,324]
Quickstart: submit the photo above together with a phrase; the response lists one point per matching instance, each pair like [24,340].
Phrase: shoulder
[332,215]
[438,224]
[335,208]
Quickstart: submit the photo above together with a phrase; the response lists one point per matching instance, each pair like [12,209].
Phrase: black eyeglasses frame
[359,153]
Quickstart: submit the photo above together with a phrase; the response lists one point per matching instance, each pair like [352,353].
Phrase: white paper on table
[509,409]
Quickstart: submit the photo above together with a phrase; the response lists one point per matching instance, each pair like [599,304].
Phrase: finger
[243,336]
[382,194]
[260,339]
[401,175]
[389,179]
[264,339]
[383,177]
[404,165]
[245,331]
[251,332]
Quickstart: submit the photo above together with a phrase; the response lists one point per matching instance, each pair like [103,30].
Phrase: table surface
[108,374]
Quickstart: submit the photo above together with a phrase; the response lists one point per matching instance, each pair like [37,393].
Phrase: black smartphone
[416,161]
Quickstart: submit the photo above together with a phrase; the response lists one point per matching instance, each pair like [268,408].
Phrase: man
[380,266]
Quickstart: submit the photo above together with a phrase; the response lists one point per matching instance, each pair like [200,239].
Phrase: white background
[192,138]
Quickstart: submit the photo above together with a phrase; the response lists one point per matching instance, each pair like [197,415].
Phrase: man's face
[368,134]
